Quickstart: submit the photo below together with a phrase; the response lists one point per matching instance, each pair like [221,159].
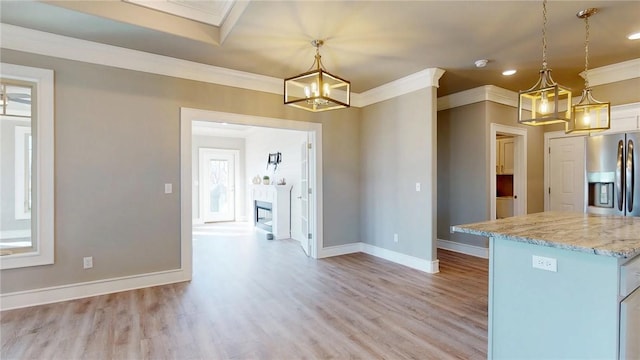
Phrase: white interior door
[304,198]
[567,174]
[217,185]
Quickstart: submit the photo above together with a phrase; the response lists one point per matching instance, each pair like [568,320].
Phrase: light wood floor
[251,298]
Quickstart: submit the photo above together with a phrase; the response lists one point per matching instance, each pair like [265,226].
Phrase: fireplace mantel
[280,198]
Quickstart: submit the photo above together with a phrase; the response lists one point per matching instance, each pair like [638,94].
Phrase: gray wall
[217,142]
[117,142]
[507,115]
[463,178]
[463,166]
[396,136]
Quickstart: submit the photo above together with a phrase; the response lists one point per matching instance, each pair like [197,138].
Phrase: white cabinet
[624,118]
[504,156]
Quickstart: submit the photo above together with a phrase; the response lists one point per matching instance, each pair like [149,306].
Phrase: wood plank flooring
[252,298]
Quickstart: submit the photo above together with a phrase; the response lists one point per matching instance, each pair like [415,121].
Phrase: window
[23,164]
[26,163]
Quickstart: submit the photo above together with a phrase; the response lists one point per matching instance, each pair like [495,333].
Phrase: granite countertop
[615,236]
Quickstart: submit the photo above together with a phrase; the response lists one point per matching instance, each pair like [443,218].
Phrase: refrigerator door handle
[619,174]
[630,181]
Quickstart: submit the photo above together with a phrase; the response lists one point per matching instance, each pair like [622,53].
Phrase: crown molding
[420,80]
[43,43]
[616,72]
[64,47]
[479,94]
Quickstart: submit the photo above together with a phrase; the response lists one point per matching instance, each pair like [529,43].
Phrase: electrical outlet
[544,263]
[87,262]
[168,188]
[395,237]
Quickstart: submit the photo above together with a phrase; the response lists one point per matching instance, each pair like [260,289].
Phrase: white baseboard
[467,249]
[413,262]
[54,294]
[340,250]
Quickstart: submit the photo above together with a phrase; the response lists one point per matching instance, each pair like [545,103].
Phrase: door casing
[188,115]
[519,170]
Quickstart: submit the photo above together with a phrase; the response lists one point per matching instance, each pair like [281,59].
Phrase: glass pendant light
[589,114]
[546,101]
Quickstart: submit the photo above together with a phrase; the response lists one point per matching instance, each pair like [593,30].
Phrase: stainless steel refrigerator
[613,174]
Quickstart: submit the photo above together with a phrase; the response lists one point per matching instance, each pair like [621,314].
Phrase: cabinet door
[630,326]
[507,156]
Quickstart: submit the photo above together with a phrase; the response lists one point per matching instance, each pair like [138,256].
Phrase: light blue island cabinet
[561,286]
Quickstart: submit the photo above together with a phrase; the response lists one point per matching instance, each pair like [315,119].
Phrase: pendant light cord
[544,35]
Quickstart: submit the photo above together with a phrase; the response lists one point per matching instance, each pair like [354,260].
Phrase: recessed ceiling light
[634,36]
[508,72]
[481,63]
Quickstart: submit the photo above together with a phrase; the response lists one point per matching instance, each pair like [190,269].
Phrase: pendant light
[589,114]
[317,90]
[548,102]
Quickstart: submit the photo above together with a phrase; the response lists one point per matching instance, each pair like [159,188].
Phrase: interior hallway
[252,298]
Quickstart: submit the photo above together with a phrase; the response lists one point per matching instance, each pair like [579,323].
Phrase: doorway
[508,169]
[314,132]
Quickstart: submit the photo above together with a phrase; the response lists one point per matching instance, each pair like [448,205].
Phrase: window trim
[44,164]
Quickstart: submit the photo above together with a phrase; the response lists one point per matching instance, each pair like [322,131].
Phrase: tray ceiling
[369,43]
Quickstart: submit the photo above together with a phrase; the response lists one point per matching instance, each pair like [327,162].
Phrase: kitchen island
[561,285]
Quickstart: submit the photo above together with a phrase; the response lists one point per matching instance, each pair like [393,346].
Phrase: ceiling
[369,43]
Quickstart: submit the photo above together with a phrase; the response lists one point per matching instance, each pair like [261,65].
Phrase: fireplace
[263,215]
[272,209]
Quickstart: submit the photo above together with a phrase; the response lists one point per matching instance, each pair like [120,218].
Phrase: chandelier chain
[544,34]
[586,52]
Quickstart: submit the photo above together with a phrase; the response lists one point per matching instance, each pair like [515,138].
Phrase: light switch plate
[417,186]
[168,188]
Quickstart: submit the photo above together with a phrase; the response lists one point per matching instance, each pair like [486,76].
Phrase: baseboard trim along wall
[413,262]
[55,294]
[467,249]
[427,266]
[22,299]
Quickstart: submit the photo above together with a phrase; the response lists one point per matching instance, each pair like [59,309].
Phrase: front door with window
[217,190]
